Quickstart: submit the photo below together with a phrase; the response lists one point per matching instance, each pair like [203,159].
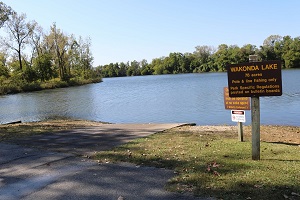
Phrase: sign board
[235,103]
[238,116]
[255,79]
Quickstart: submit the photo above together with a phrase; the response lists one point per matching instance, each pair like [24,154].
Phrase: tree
[36,39]
[86,57]
[43,66]
[145,68]
[3,69]
[123,69]
[5,12]
[18,33]
[157,65]
[133,69]
[269,50]
[221,57]
[204,53]
[201,59]
[80,56]
[59,44]
[247,50]
[290,52]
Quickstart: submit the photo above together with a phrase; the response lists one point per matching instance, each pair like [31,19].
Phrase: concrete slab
[44,167]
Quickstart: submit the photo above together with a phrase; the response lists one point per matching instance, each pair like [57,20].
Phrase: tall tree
[36,39]
[86,57]
[59,44]
[201,59]
[269,49]
[19,32]
[80,56]
[290,53]
[204,53]
[221,57]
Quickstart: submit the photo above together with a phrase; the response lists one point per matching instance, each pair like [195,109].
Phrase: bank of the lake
[14,87]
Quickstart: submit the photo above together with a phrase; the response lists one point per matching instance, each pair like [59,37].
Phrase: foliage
[208,59]
[29,57]
[5,12]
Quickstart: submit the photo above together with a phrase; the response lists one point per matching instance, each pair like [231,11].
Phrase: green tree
[291,52]
[145,68]
[43,66]
[123,69]
[5,12]
[133,69]
[3,69]
[245,51]
[221,57]
[59,45]
[19,32]
[80,57]
[269,49]
[201,59]
[157,65]
[36,41]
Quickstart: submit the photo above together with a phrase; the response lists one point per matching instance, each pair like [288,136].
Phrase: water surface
[194,98]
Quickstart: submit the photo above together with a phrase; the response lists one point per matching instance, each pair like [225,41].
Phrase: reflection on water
[148,99]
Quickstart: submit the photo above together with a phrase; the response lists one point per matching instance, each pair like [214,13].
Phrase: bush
[15,85]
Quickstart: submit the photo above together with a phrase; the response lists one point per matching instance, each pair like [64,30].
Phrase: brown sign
[255,79]
[235,103]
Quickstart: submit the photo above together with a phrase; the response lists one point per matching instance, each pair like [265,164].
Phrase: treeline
[210,59]
[31,59]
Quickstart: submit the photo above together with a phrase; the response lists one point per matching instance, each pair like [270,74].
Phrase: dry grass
[14,131]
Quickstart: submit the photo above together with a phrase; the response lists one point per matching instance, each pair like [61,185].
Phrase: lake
[196,98]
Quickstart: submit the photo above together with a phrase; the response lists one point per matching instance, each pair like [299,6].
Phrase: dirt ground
[276,134]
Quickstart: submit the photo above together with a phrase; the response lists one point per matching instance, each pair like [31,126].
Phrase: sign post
[255,79]
[255,121]
[236,103]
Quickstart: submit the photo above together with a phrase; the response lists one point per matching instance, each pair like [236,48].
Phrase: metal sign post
[240,131]
[239,117]
[239,103]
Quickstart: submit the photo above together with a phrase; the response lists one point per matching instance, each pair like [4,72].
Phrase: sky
[127,30]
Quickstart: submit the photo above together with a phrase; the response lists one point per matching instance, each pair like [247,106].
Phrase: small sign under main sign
[235,103]
[238,116]
[255,79]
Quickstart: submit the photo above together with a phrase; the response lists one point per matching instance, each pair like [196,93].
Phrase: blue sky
[127,30]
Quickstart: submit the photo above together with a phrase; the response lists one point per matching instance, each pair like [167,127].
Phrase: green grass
[16,131]
[216,164]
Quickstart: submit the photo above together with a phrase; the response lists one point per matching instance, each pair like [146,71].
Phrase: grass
[216,165]
[15,131]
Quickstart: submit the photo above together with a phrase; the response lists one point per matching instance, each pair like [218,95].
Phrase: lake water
[196,98]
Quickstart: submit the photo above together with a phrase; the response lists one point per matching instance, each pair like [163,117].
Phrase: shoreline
[7,89]
[269,133]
